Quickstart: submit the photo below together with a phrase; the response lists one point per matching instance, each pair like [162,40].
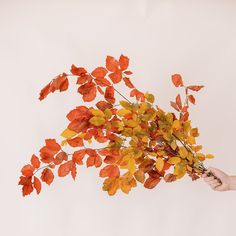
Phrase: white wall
[39,39]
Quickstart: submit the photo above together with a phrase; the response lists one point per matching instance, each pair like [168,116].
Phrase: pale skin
[228,181]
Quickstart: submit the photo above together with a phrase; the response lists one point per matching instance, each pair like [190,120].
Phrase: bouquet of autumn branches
[140,142]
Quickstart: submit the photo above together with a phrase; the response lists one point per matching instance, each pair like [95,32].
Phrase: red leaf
[112,64]
[177,80]
[123,62]
[47,176]
[128,82]
[191,98]
[195,87]
[80,71]
[99,72]
[103,105]
[78,156]
[27,170]
[64,169]
[75,142]
[110,171]
[109,94]
[115,77]
[151,182]
[37,185]
[178,101]
[35,161]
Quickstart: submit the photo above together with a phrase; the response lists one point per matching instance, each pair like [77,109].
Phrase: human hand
[214,183]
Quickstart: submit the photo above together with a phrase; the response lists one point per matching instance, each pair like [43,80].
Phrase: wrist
[232,182]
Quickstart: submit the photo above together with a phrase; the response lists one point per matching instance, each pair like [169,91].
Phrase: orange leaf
[128,82]
[178,102]
[100,90]
[78,156]
[47,176]
[111,64]
[195,87]
[35,161]
[177,80]
[80,113]
[80,71]
[174,105]
[102,82]
[45,91]
[64,169]
[109,94]
[78,125]
[109,171]
[60,157]
[94,161]
[37,185]
[123,62]
[103,105]
[191,98]
[27,189]
[75,142]
[151,182]
[73,170]
[27,170]
[115,77]
[185,116]
[88,90]
[169,178]
[99,72]
[84,78]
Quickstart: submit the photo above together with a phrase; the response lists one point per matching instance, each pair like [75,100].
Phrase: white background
[40,39]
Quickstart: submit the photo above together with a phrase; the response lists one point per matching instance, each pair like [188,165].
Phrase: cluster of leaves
[141,142]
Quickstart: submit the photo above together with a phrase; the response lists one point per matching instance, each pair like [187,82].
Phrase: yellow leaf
[191,140]
[139,175]
[97,112]
[97,120]
[159,164]
[126,105]
[209,156]
[108,113]
[150,97]
[176,124]
[122,112]
[174,160]
[173,145]
[183,152]
[197,148]
[194,132]
[63,143]
[131,123]
[201,156]
[67,133]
